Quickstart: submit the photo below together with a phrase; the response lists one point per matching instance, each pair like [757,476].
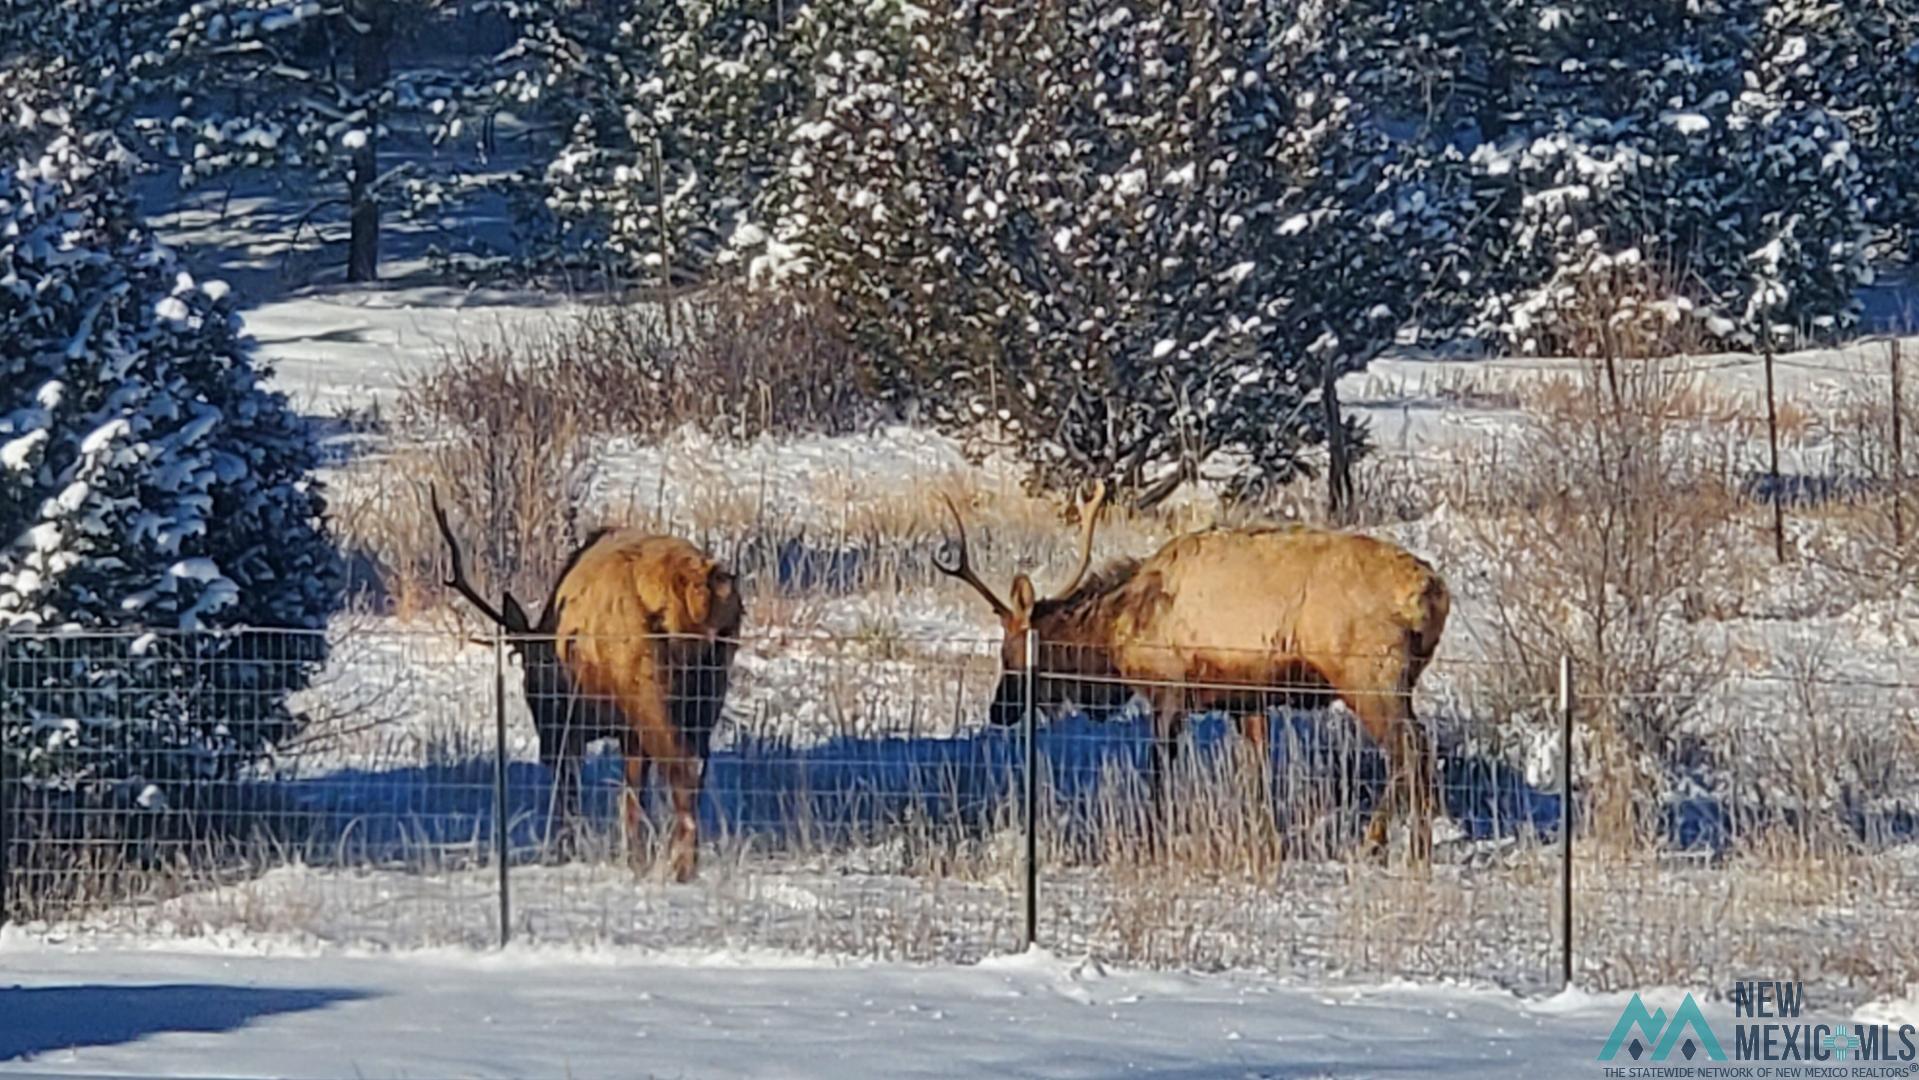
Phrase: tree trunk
[363,243]
[372,64]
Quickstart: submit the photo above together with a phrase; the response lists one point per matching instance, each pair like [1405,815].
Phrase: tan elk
[1230,619]
[635,643]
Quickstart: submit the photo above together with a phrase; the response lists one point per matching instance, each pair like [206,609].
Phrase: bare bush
[1623,310]
[738,365]
[512,447]
[1619,542]
[507,428]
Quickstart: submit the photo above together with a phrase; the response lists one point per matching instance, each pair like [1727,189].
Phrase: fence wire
[868,795]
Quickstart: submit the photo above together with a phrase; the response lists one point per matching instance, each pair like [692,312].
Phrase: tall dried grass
[508,431]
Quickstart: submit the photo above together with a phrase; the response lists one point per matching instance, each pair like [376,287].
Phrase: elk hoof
[685,853]
[685,865]
[1375,850]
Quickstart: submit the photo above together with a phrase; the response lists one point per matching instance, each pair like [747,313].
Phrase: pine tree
[73,65]
[1803,195]
[673,115]
[1657,176]
[1858,62]
[152,493]
[313,88]
[1133,245]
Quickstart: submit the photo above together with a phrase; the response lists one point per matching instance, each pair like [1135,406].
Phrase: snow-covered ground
[124,1010]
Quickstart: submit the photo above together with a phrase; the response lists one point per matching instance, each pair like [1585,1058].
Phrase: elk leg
[1254,732]
[633,803]
[1168,720]
[683,776]
[563,810]
[643,701]
[560,752]
[1390,722]
[1422,791]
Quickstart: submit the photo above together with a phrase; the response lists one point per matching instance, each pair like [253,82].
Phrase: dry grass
[508,433]
[1623,311]
[1620,541]
[1870,534]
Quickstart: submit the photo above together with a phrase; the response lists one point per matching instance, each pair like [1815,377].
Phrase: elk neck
[1079,629]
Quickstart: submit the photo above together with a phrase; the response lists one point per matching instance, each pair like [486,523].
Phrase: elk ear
[723,594]
[696,596]
[1022,596]
[513,615]
[721,583]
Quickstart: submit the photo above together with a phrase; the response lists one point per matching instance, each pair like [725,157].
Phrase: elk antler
[962,566]
[1089,508]
[457,564]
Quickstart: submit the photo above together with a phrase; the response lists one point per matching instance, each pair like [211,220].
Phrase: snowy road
[110,1012]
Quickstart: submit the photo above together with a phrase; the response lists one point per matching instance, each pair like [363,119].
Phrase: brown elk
[1231,618]
[635,643]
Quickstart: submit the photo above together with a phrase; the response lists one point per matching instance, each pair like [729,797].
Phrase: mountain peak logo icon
[1659,1035]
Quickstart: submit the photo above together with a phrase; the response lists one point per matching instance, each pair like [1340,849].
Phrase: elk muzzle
[1009,702]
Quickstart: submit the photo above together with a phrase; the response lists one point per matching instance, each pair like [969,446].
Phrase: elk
[1223,618]
[635,643]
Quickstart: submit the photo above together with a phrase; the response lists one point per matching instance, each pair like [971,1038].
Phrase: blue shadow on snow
[1326,777]
[41,1019]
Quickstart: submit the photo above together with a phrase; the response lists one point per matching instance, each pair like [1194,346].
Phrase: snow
[16,453]
[114,1008]
[1687,123]
[172,309]
[346,351]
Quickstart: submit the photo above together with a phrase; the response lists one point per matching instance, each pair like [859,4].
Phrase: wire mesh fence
[945,799]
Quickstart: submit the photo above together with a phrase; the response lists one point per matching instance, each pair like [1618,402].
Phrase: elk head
[1023,605]
[545,678]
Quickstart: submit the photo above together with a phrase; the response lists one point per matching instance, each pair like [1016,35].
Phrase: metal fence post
[1772,441]
[1898,459]
[1030,724]
[499,782]
[6,803]
[1565,821]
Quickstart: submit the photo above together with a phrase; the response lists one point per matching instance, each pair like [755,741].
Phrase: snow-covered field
[122,1009]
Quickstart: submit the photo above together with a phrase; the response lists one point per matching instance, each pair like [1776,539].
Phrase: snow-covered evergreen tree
[149,485]
[1657,175]
[312,87]
[1376,226]
[673,116]
[72,64]
[1131,242]
[1857,61]
[1802,194]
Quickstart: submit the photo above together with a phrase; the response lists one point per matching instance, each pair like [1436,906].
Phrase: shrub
[505,429]
[1614,538]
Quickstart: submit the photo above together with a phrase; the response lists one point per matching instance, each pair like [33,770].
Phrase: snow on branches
[672,117]
[312,86]
[1132,244]
[148,482]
